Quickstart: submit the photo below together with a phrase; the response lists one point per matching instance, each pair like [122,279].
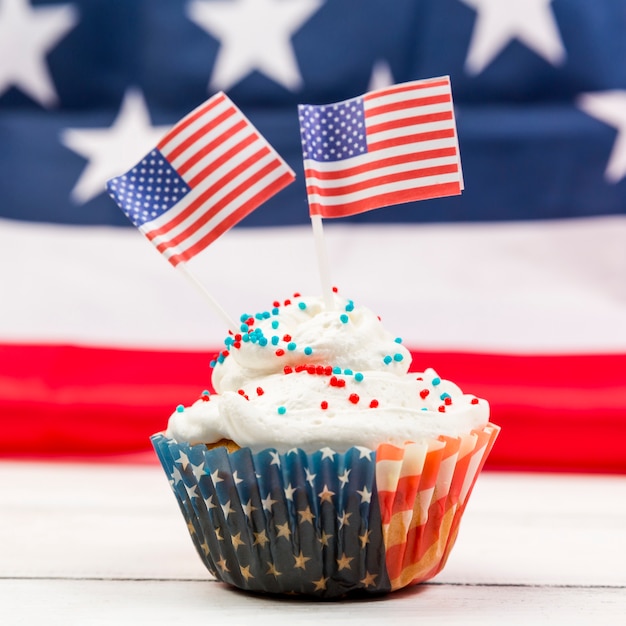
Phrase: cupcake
[320,465]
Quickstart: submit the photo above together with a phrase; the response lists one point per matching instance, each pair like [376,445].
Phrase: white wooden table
[105,544]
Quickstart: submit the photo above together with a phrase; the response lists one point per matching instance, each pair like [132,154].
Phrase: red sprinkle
[319,369]
[442,409]
[296,295]
[328,370]
[279,352]
[287,302]
[341,382]
[286,337]
[310,369]
[205,398]
[241,392]
[373,404]
[225,353]
[238,337]
[259,391]
[250,321]
[354,398]
[419,378]
[237,344]
[300,368]
[276,303]
[335,290]
[324,404]
[424,393]
[288,369]
[448,401]
[333,381]
[474,400]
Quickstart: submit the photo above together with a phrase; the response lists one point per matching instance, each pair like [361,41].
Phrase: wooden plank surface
[96,544]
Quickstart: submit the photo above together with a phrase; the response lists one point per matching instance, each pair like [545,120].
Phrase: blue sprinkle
[275,311]
[350,306]
[424,408]
[435,381]
[358,377]
[336,370]
[302,305]
[244,328]
[308,350]
[253,338]
[228,341]
[220,358]
[180,408]
[348,372]
[397,357]
[245,338]
[281,410]
[275,324]
[387,359]
[444,395]
[275,340]
[344,318]
[212,363]
[243,317]
[258,316]
[266,315]
[263,341]
[398,339]
[206,393]
[291,345]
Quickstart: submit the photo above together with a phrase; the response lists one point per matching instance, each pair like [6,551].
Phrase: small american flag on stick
[389,146]
[211,170]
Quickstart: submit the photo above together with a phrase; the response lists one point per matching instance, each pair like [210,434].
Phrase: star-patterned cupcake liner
[325,524]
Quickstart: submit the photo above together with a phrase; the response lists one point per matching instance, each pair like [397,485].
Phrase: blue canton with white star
[333,132]
[148,190]
[541,121]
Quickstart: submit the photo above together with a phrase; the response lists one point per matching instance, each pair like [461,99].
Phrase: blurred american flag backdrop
[516,289]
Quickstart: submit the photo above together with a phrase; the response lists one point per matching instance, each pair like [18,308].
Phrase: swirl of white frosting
[302,375]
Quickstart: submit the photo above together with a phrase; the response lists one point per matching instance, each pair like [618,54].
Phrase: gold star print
[245,572]
[248,508]
[218,534]
[365,538]
[369,579]
[237,541]
[272,570]
[343,519]
[301,560]
[190,527]
[260,539]
[344,561]
[283,530]
[222,565]
[320,584]
[324,539]
[205,547]
[326,495]
[306,515]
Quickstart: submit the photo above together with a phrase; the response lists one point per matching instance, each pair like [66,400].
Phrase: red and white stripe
[422,490]
[231,170]
[412,153]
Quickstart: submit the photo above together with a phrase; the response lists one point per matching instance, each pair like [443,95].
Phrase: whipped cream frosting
[303,375]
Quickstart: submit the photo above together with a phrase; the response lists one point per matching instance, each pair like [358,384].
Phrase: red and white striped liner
[422,490]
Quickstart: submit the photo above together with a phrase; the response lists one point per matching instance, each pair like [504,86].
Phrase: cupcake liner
[325,523]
